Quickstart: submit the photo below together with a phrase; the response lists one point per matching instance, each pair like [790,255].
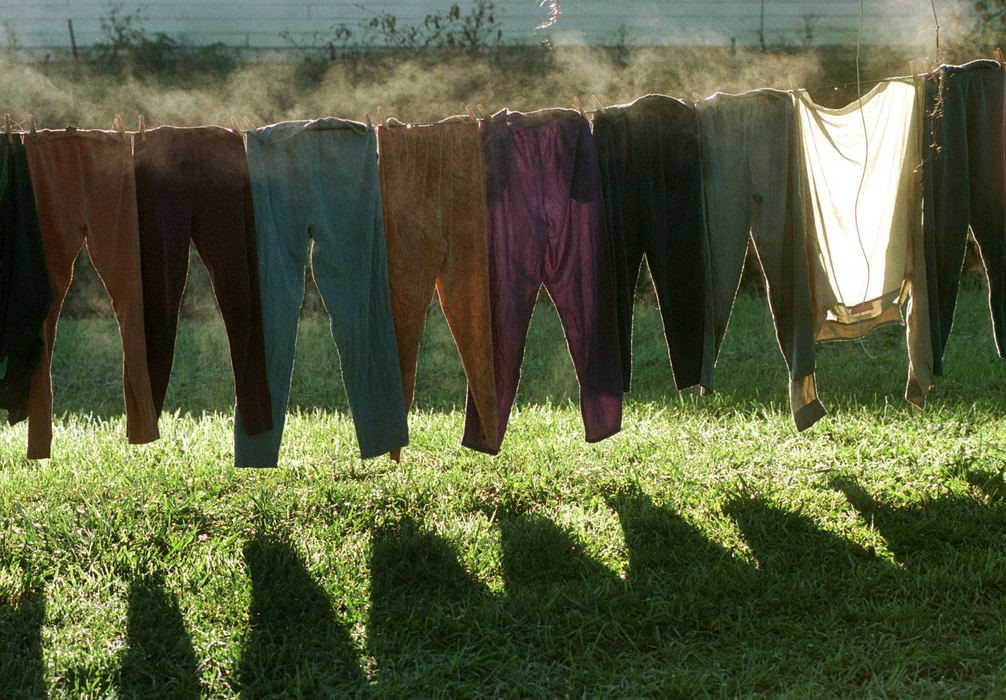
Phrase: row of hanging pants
[484,214]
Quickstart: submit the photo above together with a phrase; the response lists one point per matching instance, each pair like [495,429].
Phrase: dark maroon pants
[192,185]
[545,220]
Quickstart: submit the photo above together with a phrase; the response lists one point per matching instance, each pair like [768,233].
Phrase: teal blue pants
[318,181]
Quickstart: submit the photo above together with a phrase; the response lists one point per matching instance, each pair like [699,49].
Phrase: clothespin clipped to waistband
[792,85]
[598,108]
[119,127]
[999,57]
[7,128]
[370,124]
[470,112]
[249,123]
[235,127]
[143,127]
[577,105]
[482,110]
[33,126]
[381,116]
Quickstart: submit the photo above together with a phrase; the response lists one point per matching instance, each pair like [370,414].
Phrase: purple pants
[545,221]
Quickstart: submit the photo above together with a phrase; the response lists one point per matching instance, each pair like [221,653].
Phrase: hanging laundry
[192,186]
[318,181]
[25,294]
[546,226]
[751,179]
[864,242]
[965,184]
[433,189]
[652,182]
[85,193]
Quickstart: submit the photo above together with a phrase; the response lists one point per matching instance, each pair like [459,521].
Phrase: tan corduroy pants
[433,188]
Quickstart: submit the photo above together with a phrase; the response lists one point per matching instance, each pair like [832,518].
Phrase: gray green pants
[751,179]
[318,181]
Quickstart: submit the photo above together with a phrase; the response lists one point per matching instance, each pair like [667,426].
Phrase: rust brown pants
[85,193]
[433,188]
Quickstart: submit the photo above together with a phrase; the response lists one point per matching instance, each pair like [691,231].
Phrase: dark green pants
[652,181]
[25,294]
[964,185]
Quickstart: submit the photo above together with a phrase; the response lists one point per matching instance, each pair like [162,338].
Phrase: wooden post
[73,41]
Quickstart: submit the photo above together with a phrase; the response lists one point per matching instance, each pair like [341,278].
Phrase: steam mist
[438,85]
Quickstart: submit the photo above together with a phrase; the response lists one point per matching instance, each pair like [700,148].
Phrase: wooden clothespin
[381,116]
[33,126]
[370,124]
[482,110]
[792,84]
[577,105]
[999,57]
[470,112]
[235,127]
[249,123]
[913,70]
[143,127]
[119,127]
[598,108]
[7,128]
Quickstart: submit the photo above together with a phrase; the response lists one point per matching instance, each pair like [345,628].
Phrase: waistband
[644,105]
[453,122]
[110,137]
[539,117]
[982,64]
[748,96]
[185,132]
[285,130]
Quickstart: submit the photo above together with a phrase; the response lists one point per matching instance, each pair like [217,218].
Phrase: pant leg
[223,231]
[778,230]
[986,134]
[114,246]
[281,247]
[410,173]
[946,204]
[25,294]
[620,187]
[578,274]
[164,210]
[350,267]
[729,204]
[57,183]
[516,250]
[463,283]
[674,228]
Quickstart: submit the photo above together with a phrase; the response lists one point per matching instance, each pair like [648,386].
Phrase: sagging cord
[862,177]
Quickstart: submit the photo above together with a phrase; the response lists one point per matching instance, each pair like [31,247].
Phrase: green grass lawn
[705,550]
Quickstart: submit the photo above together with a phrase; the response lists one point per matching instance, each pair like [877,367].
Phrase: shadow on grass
[22,666]
[930,532]
[563,620]
[689,616]
[296,646]
[159,661]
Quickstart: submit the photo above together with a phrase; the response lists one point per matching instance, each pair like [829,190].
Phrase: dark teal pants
[317,181]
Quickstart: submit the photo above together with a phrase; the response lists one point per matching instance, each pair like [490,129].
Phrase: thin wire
[862,177]
[936,19]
